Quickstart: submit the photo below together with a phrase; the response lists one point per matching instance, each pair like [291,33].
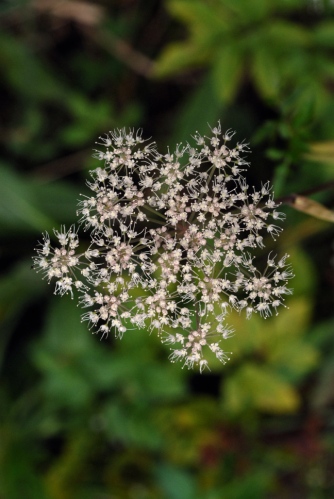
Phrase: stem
[152,210]
[290,198]
[197,316]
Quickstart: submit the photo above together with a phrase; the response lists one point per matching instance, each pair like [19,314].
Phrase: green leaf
[246,11]
[227,72]
[58,355]
[64,333]
[207,26]
[201,107]
[265,73]
[131,424]
[176,483]
[254,485]
[275,154]
[57,200]
[64,384]
[18,206]
[289,35]
[18,288]
[323,34]
[18,467]
[280,176]
[25,73]
[89,118]
[306,106]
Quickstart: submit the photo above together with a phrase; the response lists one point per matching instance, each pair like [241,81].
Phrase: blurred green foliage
[83,418]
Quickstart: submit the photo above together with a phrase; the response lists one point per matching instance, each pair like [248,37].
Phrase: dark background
[83,418]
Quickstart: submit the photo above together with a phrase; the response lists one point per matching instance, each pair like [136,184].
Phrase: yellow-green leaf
[294,357]
[178,57]
[294,320]
[257,387]
[201,18]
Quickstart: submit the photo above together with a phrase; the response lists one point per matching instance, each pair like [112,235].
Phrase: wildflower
[171,238]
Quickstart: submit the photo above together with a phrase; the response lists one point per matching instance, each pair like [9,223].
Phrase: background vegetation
[83,418]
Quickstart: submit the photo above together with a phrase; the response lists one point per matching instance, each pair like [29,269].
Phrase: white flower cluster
[171,237]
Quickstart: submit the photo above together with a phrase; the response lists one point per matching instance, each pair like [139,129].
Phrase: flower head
[171,244]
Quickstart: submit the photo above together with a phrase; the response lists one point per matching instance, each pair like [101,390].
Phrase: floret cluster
[171,243]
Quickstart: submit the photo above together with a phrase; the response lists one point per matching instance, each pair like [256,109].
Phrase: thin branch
[61,167]
[290,198]
[123,51]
